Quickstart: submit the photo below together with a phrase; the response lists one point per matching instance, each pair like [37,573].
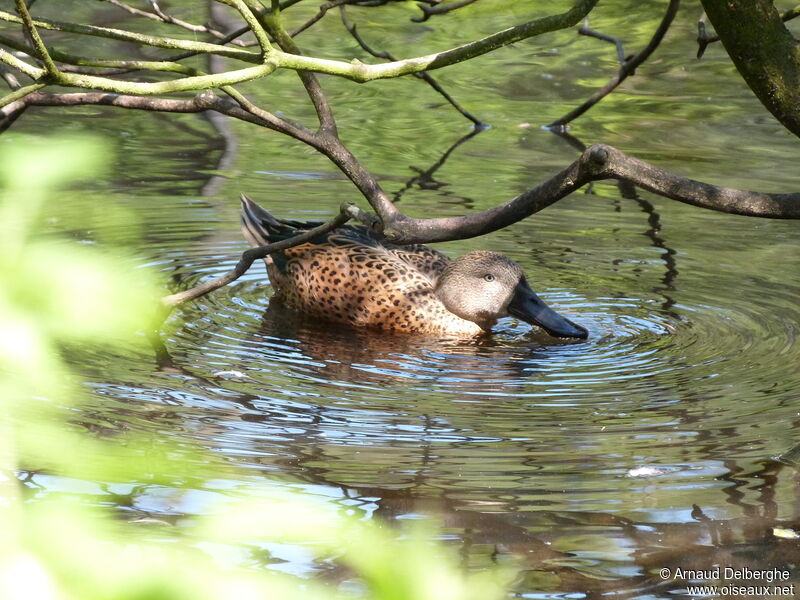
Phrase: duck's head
[485,286]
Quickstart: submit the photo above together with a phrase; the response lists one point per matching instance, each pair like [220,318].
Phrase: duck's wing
[426,260]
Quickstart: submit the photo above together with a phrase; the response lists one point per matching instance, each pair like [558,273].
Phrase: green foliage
[56,292]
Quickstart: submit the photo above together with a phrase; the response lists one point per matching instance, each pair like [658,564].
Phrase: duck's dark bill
[526,305]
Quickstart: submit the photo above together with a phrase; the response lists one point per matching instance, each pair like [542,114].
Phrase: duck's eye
[489,277]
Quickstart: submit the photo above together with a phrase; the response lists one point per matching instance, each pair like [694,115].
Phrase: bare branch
[206,100]
[160,15]
[327,122]
[626,70]
[596,163]
[292,129]
[346,212]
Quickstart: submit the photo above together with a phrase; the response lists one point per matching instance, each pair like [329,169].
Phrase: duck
[351,276]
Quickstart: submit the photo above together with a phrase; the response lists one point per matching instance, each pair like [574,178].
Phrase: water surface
[592,464]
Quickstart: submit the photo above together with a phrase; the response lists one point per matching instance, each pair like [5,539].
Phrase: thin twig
[327,122]
[160,15]
[292,129]
[323,9]
[588,31]
[346,212]
[627,69]
[138,38]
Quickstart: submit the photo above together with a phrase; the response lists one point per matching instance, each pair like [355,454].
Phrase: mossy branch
[253,23]
[20,65]
[354,70]
[362,73]
[73,59]
[137,38]
[766,53]
[20,93]
[49,64]
[198,82]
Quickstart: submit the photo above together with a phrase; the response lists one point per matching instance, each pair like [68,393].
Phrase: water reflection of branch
[654,220]
[424,179]
[629,192]
[222,125]
[351,27]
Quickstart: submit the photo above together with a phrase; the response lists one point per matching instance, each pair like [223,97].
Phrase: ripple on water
[663,388]
[639,351]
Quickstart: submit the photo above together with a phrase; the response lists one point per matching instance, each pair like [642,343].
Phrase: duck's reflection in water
[338,353]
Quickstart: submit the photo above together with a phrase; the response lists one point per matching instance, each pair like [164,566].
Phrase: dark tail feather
[259,227]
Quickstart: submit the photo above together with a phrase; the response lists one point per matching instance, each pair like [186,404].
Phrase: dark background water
[591,464]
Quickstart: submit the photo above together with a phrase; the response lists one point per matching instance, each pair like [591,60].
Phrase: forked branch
[627,65]
[704,38]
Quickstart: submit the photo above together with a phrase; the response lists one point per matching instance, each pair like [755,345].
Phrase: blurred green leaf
[57,292]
